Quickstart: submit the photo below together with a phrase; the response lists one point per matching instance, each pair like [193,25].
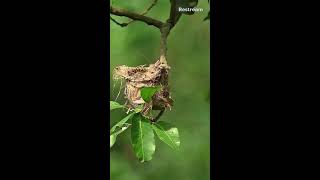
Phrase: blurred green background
[188,56]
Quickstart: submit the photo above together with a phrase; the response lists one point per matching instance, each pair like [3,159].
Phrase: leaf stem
[158,116]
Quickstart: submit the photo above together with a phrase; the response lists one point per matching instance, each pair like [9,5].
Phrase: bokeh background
[188,56]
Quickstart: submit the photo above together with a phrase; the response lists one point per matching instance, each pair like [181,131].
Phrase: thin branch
[174,14]
[118,23]
[158,116]
[165,30]
[135,16]
[145,11]
[150,7]
[131,20]
[164,27]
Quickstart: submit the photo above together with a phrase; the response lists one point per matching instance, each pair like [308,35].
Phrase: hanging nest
[155,75]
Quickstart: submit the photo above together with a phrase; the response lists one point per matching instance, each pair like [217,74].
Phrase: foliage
[147,92]
[142,135]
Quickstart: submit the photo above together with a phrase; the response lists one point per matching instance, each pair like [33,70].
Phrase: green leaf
[115,105]
[167,133]
[208,17]
[148,92]
[121,123]
[142,138]
[113,136]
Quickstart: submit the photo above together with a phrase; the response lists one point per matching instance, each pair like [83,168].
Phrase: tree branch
[145,11]
[118,23]
[165,30]
[164,27]
[158,116]
[135,16]
[174,14]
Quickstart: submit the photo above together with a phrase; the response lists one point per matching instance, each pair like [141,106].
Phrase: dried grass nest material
[138,77]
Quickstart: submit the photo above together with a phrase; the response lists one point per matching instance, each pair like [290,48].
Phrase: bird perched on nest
[155,75]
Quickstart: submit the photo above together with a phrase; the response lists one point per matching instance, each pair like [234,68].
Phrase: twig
[174,14]
[158,116]
[145,11]
[120,24]
[131,20]
[135,16]
[164,27]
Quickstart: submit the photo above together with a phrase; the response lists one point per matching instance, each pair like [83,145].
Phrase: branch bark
[135,16]
[166,28]
[118,23]
[174,14]
[145,11]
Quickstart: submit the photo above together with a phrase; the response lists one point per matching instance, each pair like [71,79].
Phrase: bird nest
[154,75]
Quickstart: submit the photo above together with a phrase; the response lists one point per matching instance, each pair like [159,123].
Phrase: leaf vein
[140,125]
